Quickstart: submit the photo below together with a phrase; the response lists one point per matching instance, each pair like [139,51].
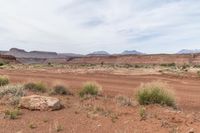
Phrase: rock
[42,103]
[99,125]
[19,132]
[191,130]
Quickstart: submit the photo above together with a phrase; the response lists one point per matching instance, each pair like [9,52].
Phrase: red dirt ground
[77,118]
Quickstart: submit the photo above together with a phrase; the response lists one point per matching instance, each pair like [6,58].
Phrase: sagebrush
[11,94]
[12,113]
[90,88]
[60,90]
[3,80]
[124,101]
[35,87]
[155,93]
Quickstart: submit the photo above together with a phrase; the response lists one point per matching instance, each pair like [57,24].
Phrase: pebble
[191,130]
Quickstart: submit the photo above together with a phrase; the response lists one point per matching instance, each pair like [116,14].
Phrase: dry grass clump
[198,73]
[168,65]
[60,90]
[143,113]
[15,90]
[94,111]
[12,113]
[3,62]
[4,81]
[124,101]
[58,127]
[35,87]
[155,93]
[91,89]
[32,126]
[11,94]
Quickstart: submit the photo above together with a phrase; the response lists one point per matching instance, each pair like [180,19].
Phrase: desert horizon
[58,94]
[99,66]
[102,52]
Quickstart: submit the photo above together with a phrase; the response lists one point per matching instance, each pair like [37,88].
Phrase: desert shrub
[128,65]
[196,66]
[60,90]
[155,93]
[168,65]
[124,101]
[142,113]
[198,73]
[35,87]
[12,114]
[139,66]
[32,126]
[15,90]
[14,100]
[49,64]
[11,94]
[1,63]
[185,66]
[3,81]
[88,65]
[58,127]
[90,88]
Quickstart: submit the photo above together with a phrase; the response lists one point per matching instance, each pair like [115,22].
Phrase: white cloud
[83,26]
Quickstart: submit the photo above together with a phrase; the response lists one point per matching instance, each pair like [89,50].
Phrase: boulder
[42,103]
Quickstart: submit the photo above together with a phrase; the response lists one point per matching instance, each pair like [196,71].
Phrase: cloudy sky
[82,26]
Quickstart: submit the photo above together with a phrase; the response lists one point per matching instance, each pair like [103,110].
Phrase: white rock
[42,103]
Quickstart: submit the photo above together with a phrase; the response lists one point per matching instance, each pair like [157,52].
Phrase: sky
[84,26]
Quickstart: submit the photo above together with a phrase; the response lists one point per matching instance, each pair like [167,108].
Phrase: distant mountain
[3,52]
[16,50]
[99,53]
[187,51]
[69,55]
[133,52]
[20,53]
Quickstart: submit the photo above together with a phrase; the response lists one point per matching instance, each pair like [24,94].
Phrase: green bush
[196,66]
[139,66]
[3,81]
[90,88]
[128,65]
[155,93]
[198,73]
[1,63]
[35,87]
[143,113]
[185,66]
[12,114]
[60,90]
[168,65]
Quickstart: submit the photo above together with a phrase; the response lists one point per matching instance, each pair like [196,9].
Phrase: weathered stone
[42,103]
